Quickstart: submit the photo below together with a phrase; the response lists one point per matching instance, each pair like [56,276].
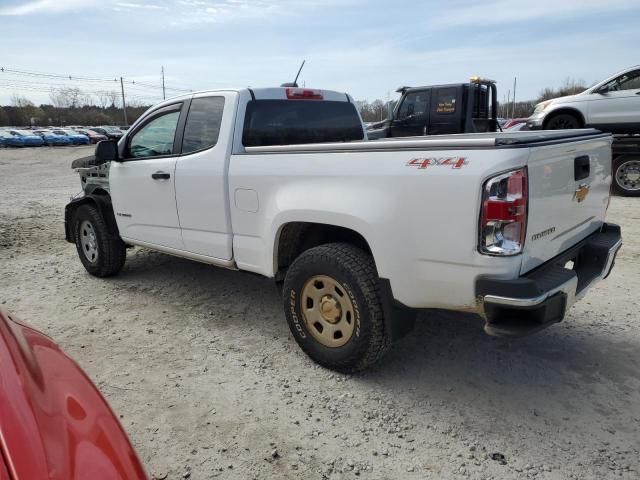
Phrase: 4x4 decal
[453,162]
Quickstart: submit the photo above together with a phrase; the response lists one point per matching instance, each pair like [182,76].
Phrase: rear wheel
[626,176]
[100,252]
[563,121]
[333,306]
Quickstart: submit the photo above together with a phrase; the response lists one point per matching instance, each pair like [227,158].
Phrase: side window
[203,124]
[626,81]
[630,81]
[413,105]
[156,137]
[446,100]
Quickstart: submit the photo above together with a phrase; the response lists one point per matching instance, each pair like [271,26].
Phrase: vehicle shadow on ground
[447,358]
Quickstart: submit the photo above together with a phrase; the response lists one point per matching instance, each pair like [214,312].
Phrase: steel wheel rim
[628,175]
[328,311]
[88,241]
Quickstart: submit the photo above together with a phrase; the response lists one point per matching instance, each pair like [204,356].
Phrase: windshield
[23,132]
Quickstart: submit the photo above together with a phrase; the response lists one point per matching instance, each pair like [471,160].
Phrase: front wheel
[332,303]
[100,252]
[626,176]
[563,121]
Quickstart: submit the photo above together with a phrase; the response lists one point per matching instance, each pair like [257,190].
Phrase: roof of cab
[266,93]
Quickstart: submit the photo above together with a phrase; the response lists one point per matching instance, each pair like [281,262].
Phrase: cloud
[507,11]
[46,6]
[132,5]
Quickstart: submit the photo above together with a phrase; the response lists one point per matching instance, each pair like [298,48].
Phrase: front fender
[100,201]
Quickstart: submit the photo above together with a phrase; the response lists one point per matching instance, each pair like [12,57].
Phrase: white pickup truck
[359,235]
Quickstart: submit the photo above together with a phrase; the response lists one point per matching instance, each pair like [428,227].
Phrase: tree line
[69,106]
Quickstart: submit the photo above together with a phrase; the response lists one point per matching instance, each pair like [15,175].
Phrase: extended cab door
[412,117]
[142,184]
[201,175]
[617,104]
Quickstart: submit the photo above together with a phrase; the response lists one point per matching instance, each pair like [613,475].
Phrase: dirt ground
[208,382]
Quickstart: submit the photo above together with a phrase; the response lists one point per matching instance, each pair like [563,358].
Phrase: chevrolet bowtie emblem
[581,192]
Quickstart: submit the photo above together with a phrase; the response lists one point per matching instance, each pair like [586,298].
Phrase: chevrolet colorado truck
[359,235]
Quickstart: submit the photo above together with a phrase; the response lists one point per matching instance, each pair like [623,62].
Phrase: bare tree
[571,86]
[20,102]
[70,97]
[28,113]
[107,99]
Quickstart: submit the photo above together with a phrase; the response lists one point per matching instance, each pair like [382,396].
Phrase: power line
[81,78]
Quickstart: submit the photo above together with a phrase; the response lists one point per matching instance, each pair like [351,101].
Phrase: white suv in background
[612,105]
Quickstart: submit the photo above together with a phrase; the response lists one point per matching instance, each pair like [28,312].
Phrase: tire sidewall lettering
[356,310]
[294,315]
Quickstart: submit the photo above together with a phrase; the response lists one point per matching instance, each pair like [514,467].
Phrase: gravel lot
[200,365]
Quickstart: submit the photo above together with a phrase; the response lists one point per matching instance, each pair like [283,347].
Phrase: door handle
[581,167]
[160,176]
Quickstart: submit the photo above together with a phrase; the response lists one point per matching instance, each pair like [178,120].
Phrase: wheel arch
[565,110]
[101,200]
[295,237]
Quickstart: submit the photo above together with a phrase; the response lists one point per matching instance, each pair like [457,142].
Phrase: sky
[365,47]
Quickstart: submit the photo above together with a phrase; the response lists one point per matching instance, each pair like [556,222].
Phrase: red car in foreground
[54,423]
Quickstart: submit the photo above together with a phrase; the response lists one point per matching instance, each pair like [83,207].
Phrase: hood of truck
[564,208]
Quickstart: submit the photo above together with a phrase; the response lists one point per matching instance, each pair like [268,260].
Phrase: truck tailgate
[568,195]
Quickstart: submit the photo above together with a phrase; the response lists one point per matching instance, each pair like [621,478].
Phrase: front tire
[626,176]
[101,253]
[333,307]
[563,121]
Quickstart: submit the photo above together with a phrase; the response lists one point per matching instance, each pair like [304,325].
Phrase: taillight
[503,223]
[304,94]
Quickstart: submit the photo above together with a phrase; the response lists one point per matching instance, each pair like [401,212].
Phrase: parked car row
[57,136]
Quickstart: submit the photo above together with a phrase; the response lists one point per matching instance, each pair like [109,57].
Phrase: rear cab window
[291,122]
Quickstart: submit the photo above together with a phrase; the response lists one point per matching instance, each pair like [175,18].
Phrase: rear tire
[334,289]
[626,176]
[101,253]
[563,121]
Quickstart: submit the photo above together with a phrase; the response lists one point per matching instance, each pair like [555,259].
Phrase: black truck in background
[472,108]
[441,109]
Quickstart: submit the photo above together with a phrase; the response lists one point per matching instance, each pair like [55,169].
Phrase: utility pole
[124,105]
[164,95]
[513,110]
[508,102]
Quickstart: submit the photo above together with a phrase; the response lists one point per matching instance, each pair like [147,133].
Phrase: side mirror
[106,151]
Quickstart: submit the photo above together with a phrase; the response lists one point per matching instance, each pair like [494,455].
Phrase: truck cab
[440,110]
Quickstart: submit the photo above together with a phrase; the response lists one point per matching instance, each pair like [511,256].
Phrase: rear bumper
[541,297]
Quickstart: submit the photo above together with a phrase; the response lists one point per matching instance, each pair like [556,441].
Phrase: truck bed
[471,140]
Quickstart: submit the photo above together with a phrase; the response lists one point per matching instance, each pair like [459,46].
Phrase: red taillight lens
[503,223]
[304,94]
